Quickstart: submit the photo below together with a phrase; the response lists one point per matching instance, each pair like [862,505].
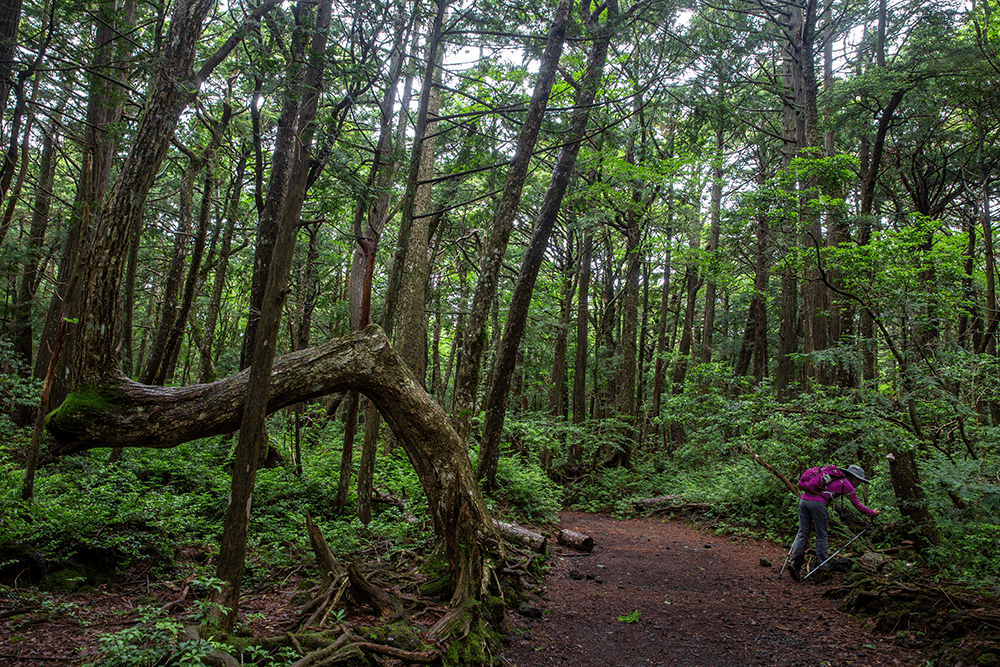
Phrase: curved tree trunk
[123,413]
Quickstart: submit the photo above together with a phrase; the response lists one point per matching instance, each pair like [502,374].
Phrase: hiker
[813,512]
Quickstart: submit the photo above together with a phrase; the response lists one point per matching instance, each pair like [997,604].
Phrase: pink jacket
[843,487]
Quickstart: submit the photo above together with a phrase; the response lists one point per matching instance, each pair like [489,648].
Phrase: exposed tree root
[961,624]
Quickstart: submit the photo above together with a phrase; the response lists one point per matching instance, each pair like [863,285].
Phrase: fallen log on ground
[521,536]
[575,540]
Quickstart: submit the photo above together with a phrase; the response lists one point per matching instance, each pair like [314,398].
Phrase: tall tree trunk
[411,263]
[575,454]
[176,305]
[10,21]
[277,185]
[910,499]
[715,214]
[382,171]
[253,440]
[97,278]
[558,406]
[626,397]
[496,398]
[754,344]
[660,368]
[785,373]
[104,111]
[206,366]
[692,283]
[474,341]
[41,207]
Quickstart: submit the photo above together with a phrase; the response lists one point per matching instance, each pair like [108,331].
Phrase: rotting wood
[383,602]
[575,540]
[521,536]
[328,565]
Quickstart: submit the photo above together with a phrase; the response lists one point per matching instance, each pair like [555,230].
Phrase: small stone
[765,562]
[529,611]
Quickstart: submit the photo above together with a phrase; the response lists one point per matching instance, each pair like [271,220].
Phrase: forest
[349,281]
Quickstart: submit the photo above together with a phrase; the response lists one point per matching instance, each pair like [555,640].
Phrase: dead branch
[383,602]
[328,565]
[794,488]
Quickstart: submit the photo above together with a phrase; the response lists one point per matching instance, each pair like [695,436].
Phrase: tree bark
[277,185]
[910,498]
[177,304]
[104,109]
[496,399]
[10,21]
[253,441]
[175,86]
[411,264]
[474,340]
[206,366]
[708,330]
[575,453]
[121,412]
[23,338]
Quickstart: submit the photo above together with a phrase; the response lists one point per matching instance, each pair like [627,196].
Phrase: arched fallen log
[123,413]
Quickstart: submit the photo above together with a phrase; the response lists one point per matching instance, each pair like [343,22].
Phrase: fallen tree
[118,412]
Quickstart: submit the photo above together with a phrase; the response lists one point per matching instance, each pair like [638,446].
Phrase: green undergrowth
[161,509]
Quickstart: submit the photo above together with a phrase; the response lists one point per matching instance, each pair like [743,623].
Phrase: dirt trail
[702,601]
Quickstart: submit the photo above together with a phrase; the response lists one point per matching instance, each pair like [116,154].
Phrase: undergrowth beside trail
[159,513]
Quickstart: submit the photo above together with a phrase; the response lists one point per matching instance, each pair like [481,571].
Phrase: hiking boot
[795,567]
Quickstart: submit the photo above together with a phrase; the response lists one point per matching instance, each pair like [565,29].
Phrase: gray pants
[812,516]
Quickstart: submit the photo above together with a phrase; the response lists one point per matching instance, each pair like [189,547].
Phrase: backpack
[814,480]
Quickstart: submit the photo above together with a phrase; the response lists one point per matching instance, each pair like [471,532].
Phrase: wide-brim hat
[856,471]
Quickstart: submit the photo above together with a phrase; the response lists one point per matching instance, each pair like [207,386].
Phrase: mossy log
[521,536]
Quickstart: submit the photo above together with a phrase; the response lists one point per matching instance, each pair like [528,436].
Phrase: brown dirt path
[704,601]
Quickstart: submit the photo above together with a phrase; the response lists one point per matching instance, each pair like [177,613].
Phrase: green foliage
[158,639]
[526,490]
[631,617]
[17,389]
[91,518]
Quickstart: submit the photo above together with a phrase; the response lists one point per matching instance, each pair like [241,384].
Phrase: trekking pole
[788,555]
[838,550]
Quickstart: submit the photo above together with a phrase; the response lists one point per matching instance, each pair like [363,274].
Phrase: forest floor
[654,591]
[694,599]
